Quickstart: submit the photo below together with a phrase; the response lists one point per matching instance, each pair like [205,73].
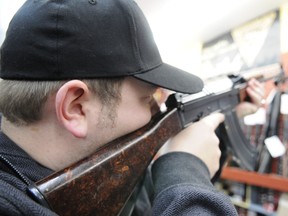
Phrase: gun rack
[271,181]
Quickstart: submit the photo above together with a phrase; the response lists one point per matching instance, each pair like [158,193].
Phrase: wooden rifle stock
[102,183]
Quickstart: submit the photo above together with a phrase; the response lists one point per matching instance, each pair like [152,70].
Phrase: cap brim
[172,78]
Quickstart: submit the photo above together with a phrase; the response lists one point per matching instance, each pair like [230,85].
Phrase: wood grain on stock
[102,183]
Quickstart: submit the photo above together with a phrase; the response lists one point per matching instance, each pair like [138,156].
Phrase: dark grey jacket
[181,186]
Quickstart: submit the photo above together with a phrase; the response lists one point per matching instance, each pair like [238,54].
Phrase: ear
[70,107]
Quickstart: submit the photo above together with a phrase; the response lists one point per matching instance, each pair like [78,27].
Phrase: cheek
[133,117]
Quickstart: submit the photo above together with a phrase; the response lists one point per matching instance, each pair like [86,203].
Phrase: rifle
[102,183]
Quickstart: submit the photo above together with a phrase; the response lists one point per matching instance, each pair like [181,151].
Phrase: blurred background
[183,28]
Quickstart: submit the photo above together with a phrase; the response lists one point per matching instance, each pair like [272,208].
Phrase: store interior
[214,39]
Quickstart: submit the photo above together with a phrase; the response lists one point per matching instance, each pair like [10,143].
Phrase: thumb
[214,120]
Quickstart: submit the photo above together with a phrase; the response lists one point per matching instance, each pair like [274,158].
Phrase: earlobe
[69,104]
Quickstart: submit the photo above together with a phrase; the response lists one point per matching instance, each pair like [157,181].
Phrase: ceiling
[202,20]
[181,19]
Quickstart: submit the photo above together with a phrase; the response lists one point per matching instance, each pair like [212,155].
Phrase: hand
[255,91]
[160,96]
[200,140]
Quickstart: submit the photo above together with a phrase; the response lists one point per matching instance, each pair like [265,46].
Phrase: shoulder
[177,168]
[14,201]
[182,186]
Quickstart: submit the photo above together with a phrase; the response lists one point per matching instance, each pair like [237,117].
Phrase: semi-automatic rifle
[102,183]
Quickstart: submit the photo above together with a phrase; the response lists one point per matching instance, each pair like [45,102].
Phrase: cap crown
[65,39]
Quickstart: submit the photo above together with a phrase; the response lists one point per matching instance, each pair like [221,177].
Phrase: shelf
[271,181]
[253,207]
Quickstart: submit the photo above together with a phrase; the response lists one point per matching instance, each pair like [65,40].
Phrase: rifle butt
[102,183]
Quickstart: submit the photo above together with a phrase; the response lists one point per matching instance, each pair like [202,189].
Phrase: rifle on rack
[102,183]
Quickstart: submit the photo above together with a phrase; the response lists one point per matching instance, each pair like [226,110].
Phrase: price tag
[284,104]
[257,118]
[275,146]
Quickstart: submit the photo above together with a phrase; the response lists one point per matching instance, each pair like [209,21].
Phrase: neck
[43,143]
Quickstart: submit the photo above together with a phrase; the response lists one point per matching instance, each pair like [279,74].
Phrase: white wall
[7,10]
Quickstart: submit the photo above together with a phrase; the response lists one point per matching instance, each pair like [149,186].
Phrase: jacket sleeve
[182,186]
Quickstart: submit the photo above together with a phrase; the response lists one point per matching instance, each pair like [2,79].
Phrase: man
[78,74]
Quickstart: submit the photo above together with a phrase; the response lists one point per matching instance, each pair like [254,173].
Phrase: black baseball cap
[86,39]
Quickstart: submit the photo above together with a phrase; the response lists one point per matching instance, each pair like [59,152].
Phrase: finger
[255,96]
[214,119]
[252,93]
[161,95]
[245,109]
[254,82]
[256,86]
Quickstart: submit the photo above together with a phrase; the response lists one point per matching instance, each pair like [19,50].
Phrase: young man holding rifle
[79,74]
